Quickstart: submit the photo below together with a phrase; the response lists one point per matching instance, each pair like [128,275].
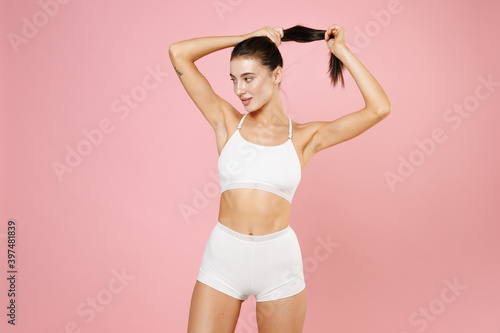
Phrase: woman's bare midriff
[253,212]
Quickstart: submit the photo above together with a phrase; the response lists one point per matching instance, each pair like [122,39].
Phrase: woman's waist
[252,227]
[253,214]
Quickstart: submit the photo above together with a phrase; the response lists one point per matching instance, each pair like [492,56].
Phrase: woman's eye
[247,78]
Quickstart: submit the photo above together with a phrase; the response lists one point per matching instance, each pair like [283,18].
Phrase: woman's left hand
[336,44]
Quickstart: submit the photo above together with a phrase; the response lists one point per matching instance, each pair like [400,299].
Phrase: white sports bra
[243,164]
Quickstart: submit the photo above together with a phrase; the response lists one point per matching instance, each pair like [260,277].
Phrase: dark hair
[266,52]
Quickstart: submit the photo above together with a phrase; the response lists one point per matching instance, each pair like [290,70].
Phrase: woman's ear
[278,74]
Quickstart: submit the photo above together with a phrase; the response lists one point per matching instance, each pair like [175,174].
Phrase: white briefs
[266,266]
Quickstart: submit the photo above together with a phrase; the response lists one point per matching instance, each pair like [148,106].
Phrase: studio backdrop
[109,180]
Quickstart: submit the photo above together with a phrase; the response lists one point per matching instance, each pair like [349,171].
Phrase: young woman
[252,250]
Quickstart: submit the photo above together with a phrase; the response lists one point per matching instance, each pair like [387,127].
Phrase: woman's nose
[240,89]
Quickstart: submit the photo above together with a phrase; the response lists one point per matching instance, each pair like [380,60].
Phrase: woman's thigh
[286,315]
[212,311]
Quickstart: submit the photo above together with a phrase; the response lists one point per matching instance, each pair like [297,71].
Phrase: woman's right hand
[274,34]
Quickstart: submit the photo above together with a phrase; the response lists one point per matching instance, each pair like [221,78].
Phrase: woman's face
[251,80]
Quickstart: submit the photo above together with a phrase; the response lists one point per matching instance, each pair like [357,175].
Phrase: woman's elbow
[384,111]
[172,50]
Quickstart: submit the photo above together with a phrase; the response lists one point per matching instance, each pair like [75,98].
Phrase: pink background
[117,210]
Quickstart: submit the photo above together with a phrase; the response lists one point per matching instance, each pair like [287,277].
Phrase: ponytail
[267,53]
[303,34]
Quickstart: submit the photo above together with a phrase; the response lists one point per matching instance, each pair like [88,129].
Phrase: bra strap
[241,121]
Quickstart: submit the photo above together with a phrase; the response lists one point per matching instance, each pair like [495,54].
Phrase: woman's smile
[246,101]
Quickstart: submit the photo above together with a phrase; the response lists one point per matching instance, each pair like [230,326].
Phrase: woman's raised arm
[377,104]
[183,54]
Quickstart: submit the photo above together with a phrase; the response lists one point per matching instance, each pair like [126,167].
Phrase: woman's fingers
[280,31]
[333,30]
[277,34]
[328,33]
[274,34]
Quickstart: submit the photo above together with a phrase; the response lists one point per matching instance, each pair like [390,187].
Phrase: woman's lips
[246,101]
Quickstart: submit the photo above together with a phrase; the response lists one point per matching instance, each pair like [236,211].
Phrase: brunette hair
[266,52]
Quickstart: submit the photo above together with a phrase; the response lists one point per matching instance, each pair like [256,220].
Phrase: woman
[252,250]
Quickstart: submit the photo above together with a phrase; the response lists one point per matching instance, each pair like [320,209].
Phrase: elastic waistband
[253,238]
